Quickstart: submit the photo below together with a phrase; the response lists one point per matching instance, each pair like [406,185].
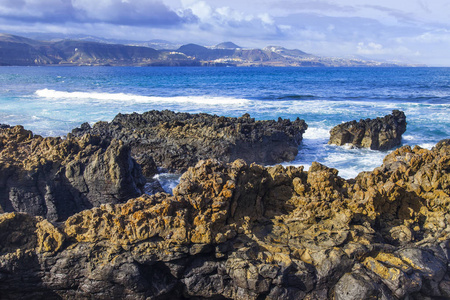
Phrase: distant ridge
[88,51]
[227,45]
[287,52]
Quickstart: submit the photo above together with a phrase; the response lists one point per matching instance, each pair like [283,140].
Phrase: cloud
[385,29]
[225,15]
[321,6]
[121,12]
[48,11]
[398,15]
[370,48]
[394,51]
[439,37]
[227,21]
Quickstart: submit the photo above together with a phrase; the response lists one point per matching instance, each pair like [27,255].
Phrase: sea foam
[122,97]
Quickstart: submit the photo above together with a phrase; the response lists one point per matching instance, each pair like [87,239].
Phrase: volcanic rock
[56,178]
[377,134]
[240,231]
[177,141]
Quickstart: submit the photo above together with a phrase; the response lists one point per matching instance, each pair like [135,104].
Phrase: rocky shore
[376,134]
[240,231]
[56,178]
[177,141]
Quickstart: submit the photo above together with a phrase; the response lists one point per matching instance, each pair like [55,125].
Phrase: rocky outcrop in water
[176,141]
[377,134]
[56,178]
[240,231]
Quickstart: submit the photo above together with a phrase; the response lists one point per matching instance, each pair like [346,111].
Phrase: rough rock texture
[177,141]
[378,134]
[56,178]
[239,231]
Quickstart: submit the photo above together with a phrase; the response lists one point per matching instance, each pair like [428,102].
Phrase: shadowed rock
[377,134]
[56,178]
[240,231]
[177,141]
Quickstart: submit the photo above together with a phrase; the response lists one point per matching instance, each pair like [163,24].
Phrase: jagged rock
[56,178]
[377,134]
[177,141]
[239,231]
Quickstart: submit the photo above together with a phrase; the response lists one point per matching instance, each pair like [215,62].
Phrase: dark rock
[357,286]
[378,134]
[177,141]
[56,178]
[152,187]
[240,231]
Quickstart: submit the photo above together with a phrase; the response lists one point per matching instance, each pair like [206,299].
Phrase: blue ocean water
[52,101]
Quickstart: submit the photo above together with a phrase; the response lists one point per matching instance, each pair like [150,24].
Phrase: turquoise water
[53,100]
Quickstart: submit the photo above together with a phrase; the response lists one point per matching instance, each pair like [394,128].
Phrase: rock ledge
[177,141]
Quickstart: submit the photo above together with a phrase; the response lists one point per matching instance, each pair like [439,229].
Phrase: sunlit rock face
[241,231]
[56,178]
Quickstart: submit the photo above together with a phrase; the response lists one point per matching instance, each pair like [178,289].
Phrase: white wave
[168,181]
[427,145]
[408,137]
[122,97]
[316,133]
[354,110]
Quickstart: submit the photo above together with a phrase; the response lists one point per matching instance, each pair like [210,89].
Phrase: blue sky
[415,31]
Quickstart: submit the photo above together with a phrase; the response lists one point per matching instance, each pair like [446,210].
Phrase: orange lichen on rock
[246,231]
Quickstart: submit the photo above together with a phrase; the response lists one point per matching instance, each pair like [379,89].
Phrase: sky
[414,31]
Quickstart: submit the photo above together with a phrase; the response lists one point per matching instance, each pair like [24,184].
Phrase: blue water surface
[53,100]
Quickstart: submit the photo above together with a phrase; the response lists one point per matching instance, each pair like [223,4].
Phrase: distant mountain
[226,45]
[286,52]
[4,37]
[15,50]
[54,37]
[159,44]
[203,53]
[230,53]
[22,51]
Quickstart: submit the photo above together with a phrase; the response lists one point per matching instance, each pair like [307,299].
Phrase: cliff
[240,231]
[176,141]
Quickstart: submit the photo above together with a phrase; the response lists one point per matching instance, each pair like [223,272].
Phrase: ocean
[51,101]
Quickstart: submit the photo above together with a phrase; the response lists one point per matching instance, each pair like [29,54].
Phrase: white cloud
[383,29]
[394,52]
[202,10]
[266,18]
[370,48]
[435,36]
